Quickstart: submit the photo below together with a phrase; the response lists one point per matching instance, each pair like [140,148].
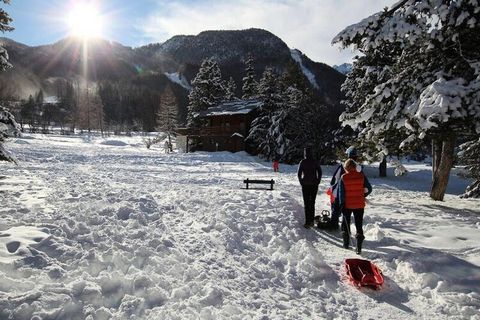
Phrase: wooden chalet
[225,127]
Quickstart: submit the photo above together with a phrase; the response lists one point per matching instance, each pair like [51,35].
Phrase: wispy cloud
[308,25]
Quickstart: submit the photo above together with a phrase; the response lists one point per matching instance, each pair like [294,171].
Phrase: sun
[85,21]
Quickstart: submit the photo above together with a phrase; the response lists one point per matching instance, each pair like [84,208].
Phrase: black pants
[357,216]
[309,195]
[335,212]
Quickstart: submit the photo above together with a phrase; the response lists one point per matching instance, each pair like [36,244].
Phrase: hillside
[156,65]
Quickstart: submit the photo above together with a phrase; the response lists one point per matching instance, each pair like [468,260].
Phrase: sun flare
[85,21]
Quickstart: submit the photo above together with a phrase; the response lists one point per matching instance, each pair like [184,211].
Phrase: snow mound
[16,242]
[20,141]
[373,232]
[115,143]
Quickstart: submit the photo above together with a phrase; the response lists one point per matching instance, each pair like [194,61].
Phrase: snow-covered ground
[94,228]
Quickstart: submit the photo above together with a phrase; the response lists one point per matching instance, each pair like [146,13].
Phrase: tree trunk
[442,162]
[383,167]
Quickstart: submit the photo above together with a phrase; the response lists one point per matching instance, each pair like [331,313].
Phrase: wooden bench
[270,182]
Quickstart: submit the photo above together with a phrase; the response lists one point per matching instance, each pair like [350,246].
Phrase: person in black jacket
[309,175]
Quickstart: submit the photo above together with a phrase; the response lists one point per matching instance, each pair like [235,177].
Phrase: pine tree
[307,122]
[292,133]
[98,113]
[8,125]
[250,85]
[68,103]
[267,130]
[366,71]
[294,77]
[29,114]
[5,21]
[470,156]
[430,88]
[90,110]
[208,90]
[230,89]
[167,116]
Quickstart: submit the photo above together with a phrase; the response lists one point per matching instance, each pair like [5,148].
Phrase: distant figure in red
[276,165]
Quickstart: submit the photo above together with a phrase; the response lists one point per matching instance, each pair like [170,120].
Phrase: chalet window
[227,124]
[242,125]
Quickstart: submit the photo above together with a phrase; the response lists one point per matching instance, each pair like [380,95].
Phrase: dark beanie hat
[307,152]
[351,152]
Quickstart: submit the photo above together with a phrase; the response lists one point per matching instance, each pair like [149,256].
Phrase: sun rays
[85,20]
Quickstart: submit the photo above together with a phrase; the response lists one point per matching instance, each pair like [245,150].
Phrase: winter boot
[346,240]
[308,225]
[333,226]
[360,238]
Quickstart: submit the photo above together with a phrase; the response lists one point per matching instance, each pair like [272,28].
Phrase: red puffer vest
[354,190]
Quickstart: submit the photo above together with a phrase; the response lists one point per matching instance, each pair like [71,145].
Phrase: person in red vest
[354,187]
[351,153]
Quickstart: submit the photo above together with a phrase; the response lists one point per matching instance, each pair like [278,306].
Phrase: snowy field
[94,228]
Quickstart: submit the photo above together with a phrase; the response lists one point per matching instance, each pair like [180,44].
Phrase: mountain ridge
[182,54]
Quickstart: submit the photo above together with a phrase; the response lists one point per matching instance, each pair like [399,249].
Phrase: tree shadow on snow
[311,236]
[433,266]
[390,293]
[460,213]
[418,180]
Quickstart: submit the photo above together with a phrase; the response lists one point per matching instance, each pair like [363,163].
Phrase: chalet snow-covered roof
[232,107]
[51,100]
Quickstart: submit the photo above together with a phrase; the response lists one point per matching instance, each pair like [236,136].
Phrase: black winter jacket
[309,171]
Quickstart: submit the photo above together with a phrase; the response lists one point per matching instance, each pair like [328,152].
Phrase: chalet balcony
[221,130]
[213,131]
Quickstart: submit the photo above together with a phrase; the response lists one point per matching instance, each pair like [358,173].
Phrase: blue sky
[308,25]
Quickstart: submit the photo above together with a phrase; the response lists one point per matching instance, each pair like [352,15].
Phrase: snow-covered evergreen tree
[308,122]
[290,119]
[208,89]
[29,113]
[266,131]
[293,134]
[429,85]
[470,156]
[90,110]
[8,125]
[250,85]
[230,89]
[167,116]
[367,71]
[5,21]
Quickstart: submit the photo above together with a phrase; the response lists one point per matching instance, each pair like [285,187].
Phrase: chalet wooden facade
[225,127]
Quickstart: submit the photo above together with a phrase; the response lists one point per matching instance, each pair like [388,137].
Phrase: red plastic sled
[363,273]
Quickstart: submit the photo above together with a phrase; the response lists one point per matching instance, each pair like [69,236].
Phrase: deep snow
[94,228]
